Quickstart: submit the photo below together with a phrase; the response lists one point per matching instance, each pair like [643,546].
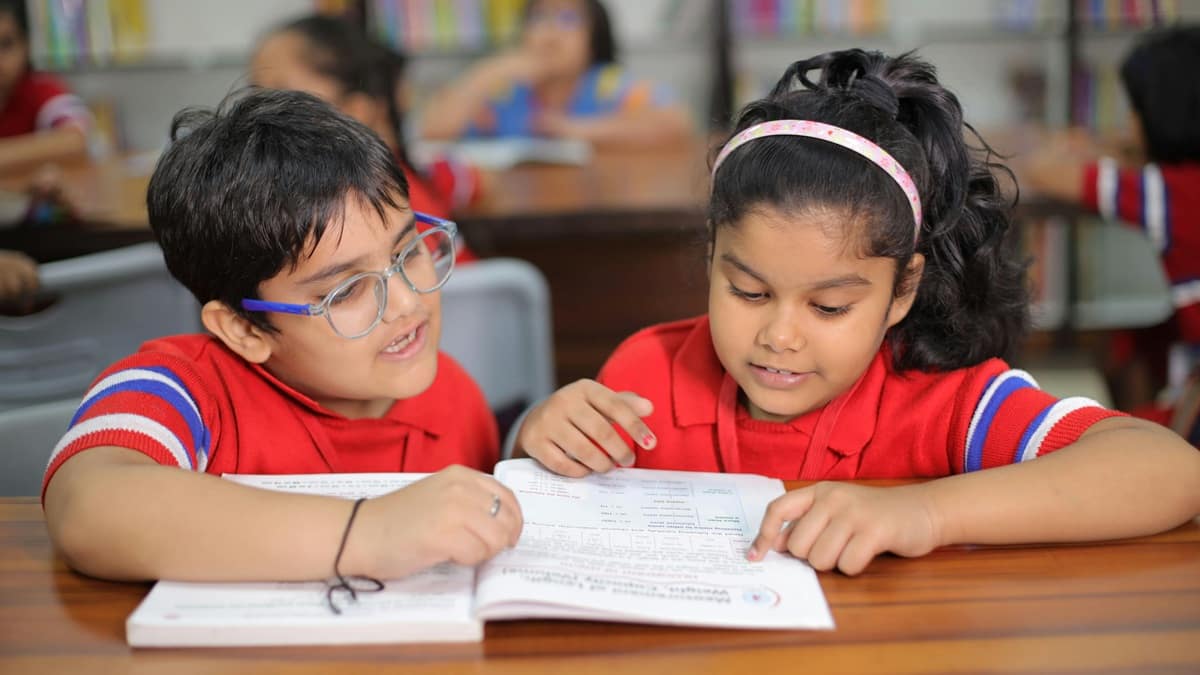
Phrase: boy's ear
[244,338]
[909,283]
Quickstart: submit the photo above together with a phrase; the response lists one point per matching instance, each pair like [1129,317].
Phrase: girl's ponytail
[972,302]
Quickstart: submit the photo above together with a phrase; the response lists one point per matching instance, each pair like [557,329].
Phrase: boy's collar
[420,412]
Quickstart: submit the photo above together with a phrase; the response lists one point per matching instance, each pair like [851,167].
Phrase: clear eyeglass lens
[355,306]
[427,264]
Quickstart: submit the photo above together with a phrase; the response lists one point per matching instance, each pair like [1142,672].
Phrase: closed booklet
[632,545]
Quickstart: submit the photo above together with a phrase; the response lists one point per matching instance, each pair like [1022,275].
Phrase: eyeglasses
[357,305]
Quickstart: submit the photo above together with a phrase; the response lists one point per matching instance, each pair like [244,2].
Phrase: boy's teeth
[781,372]
[401,342]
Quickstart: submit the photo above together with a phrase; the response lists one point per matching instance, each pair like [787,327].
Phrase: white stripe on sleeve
[126,422]
[1154,197]
[1106,187]
[1056,414]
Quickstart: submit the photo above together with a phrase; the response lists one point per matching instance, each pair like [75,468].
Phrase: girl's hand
[444,517]
[845,526]
[571,432]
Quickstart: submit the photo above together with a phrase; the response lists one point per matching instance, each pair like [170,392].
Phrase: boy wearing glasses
[290,224]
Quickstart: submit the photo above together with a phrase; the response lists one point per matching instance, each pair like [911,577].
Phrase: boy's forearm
[135,520]
[1124,478]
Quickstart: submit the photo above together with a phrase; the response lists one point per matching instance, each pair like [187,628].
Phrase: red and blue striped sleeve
[146,405]
[1134,195]
[1015,421]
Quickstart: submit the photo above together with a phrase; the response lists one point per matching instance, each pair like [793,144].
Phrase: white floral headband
[837,136]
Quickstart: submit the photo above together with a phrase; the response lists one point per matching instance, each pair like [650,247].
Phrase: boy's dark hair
[602,44]
[344,53]
[251,187]
[1160,76]
[16,9]
[972,302]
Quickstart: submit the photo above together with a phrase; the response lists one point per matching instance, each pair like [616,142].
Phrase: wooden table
[110,202]
[1131,606]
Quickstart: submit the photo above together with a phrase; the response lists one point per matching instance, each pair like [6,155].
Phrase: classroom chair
[100,308]
[496,323]
[27,435]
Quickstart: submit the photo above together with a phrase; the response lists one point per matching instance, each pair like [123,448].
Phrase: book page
[344,485]
[433,605]
[655,546]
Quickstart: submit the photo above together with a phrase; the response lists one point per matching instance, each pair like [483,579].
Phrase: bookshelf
[1003,57]
[662,40]
[1012,63]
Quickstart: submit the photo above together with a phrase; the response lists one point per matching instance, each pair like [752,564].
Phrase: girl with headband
[861,299]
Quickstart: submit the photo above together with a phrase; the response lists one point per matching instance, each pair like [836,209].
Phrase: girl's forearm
[1123,478]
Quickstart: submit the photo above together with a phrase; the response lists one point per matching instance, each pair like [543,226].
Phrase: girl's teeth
[781,372]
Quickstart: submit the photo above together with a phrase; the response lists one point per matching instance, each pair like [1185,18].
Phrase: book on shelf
[66,34]
[633,545]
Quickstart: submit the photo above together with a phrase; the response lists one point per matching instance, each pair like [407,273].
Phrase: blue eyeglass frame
[319,308]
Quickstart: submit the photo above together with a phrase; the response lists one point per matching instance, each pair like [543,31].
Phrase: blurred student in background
[40,120]
[335,60]
[562,80]
[1155,187]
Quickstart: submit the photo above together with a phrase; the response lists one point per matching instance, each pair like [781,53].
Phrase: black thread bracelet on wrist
[353,584]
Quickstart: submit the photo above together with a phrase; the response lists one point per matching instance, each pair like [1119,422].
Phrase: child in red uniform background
[333,59]
[290,224]
[861,296]
[40,119]
[1156,189]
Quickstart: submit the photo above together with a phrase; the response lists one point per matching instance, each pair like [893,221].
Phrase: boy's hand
[571,433]
[845,526]
[445,517]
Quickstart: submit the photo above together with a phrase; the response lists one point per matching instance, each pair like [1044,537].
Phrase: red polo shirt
[188,401]
[39,102]
[1162,200]
[888,425]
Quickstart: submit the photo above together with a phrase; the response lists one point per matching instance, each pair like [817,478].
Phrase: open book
[633,545]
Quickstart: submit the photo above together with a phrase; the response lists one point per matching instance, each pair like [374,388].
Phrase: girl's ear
[242,337]
[909,283]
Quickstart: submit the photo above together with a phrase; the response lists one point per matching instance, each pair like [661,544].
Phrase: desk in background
[1130,606]
[621,242]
